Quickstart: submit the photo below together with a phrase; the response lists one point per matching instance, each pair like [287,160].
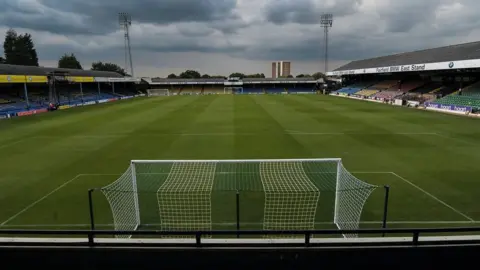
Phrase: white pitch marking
[433,197]
[359,172]
[353,133]
[288,132]
[13,143]
[39,200]
[148,135]
[245,223]
[456,139]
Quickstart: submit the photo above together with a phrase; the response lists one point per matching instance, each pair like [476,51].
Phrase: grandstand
[26,88]
[247,86]
[398,89]
[447,75]
[354,88]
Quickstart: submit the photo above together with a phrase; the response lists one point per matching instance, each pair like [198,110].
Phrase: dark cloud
[298,11]
[402,16]
[35,16]
[277,29]
[101,16]
[306,11]
[147,11]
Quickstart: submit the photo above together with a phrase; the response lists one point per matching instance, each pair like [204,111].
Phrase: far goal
[267,194]
[158,92]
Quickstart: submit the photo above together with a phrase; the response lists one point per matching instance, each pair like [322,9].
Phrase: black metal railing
[199,236]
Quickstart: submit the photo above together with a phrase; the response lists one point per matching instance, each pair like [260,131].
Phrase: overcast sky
[224,36]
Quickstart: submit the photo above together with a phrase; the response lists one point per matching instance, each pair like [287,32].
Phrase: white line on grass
[244,223]
[358,172]
[39,200]
[291,132]
[433,197]
[13,143]
[155,135]
[456,139]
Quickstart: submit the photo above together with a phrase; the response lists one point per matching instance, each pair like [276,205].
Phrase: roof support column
[25,90]
[81,92]
[99,94]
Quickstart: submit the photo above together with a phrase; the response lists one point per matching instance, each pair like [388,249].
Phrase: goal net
[203,195]
[158,92]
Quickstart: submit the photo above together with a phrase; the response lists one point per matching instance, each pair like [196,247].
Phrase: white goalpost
[158,92]
[194,195]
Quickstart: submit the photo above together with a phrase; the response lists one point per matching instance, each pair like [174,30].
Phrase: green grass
[430,160]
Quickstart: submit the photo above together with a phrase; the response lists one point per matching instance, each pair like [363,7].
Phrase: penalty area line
[39,200]
[433,197]
[246,223]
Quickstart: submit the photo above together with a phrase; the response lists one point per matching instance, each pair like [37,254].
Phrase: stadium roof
[279,79]
[458,56]
[202,80]
[44,71]
[226,82]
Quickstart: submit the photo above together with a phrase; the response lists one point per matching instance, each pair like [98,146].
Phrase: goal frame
[163,89]
[152,161]
[340,171]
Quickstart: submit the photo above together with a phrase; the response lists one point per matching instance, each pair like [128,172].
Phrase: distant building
[281,69]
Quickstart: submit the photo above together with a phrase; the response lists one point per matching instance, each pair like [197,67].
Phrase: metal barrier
[92,235]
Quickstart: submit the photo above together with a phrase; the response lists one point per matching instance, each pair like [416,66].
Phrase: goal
[203,195]
[158,92]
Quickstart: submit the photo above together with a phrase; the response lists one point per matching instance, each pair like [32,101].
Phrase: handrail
[92,234]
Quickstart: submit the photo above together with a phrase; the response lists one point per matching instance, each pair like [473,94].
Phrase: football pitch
[431,161]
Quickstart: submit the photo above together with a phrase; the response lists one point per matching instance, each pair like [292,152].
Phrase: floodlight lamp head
[124,18]
[326,20]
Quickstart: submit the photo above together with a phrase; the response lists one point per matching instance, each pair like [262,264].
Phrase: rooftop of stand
[44,71]
[466,51]
[157,80]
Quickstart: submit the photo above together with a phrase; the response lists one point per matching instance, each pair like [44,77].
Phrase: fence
[94,237]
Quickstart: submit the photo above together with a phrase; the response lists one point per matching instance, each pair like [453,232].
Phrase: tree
[19,49]
[318,75]
[69,61]
[237,75]
[205,76]
[190,74]
[257,75]
[2,60]
[28,48]
[172,76]
[108,67]
[9,46]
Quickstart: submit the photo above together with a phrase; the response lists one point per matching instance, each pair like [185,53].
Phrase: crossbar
[237,160]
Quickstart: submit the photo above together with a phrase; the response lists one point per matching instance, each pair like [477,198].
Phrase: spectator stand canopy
[220,81]
[233,85]
[455,57]
[25,88]
[32,74]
